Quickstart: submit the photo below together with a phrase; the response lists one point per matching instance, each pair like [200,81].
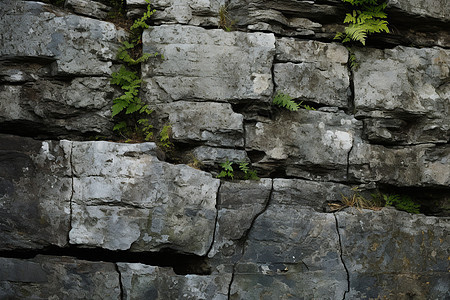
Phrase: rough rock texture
[312,71]
[305,148]
[124,198]
[47,277]
[35,193]
[406,92]
[169,231]
[395,255]
[202,64]
[148,282]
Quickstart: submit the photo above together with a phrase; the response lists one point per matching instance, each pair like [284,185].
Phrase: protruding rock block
[201,64]
[308,144]
[313,71]
[126,199]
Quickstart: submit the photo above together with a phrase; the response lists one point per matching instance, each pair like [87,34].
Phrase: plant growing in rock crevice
[244,172]
[286,101]
[138,126]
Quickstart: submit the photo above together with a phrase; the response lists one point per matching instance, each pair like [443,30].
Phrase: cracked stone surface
[395,254]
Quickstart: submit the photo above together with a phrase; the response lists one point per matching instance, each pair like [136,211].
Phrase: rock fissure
[122,294]
[72,175]
[341,255]
[215,220]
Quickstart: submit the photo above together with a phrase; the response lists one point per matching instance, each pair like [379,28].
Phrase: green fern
[286,101]
[164,137]
[227,170]
[367,19]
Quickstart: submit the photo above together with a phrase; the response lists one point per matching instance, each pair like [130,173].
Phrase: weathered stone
[35,192]
[239,203]
[75,45]
[408,88]
[51,277]
[291,251]
[192,12]
[57,108]
[202,64]
[307,144]
[124,198]
[308,193]
[148,282]
[438,9]
[88,8]
[211,156]
[214,124]
[394,254]
[422,165]
[313,71]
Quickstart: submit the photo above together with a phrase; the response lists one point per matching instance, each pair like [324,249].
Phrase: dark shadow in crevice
[181,263]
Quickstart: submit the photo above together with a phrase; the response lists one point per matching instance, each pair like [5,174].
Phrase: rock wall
[88,219]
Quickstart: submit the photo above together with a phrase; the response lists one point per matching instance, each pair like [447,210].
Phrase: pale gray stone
[438,9]
[75,45]
[211,156]
[124,198]
[407,87]
[394,254]
[53,277]
[203,64]
[88,8]
[421,165]
[82,106]
[35,193]
[214,124]
[148,282]
[307,144]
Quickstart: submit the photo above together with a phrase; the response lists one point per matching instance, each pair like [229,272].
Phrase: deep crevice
[72,192]
[122,296]
[341,255]
[181,263]
[215,221]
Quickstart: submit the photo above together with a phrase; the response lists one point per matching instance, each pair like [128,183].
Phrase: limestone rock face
[416,245]
[406,92]
[124,198]
[305,148]
[35,193]
[312,71]
[52,277]
[202,64]
[148,282]
[74,45]
[435,8]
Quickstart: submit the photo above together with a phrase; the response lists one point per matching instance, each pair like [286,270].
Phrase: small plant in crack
[244,172]
[286,101]
[225,22]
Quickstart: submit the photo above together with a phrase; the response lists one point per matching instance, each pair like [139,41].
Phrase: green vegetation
[286,101]
[244,171]
[138,126]
[164,137]
[400,202]
[225,22]
[366,18]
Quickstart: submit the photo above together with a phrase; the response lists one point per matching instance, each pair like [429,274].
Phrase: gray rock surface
[308,144]
[149,282]
[214,124]
[202,64]
[394,254]
[75,45]
[35,193]
[291,251]
[312,71]
[407,91]
[239,203]
[51,277]
[89,8]
[81,106]
[211,156]
[438,9]
[124,198]
[421,165]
